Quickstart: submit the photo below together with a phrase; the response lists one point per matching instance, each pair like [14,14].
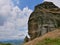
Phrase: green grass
[49,41]
[5,44]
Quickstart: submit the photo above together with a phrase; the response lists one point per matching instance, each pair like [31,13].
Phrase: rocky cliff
[44,18]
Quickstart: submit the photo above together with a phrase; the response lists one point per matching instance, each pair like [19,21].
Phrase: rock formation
[45,18]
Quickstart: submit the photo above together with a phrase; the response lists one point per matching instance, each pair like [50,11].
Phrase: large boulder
[45,18]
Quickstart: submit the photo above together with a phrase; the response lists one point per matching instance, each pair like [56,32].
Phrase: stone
[45,18]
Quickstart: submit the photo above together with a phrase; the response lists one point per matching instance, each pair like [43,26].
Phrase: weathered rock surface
[45,18]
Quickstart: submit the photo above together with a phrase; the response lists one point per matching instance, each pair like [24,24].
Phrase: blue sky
[14,16]
[29,3]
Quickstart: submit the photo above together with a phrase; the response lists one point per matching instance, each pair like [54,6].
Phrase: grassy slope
[51,38]
[49,41]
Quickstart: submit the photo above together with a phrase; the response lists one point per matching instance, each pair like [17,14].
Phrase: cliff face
[45,18]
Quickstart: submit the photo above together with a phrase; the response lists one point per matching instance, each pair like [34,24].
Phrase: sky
[14,16]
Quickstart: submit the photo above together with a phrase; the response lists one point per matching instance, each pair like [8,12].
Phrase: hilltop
[44,19]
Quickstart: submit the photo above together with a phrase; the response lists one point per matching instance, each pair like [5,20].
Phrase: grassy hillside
[49,41]
[51,38]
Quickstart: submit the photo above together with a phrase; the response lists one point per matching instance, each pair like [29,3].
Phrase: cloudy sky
[14,16]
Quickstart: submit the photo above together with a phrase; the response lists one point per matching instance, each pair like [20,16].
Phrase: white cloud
[56,2]
[15,18]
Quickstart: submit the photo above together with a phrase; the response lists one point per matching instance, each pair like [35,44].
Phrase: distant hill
[13,42]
